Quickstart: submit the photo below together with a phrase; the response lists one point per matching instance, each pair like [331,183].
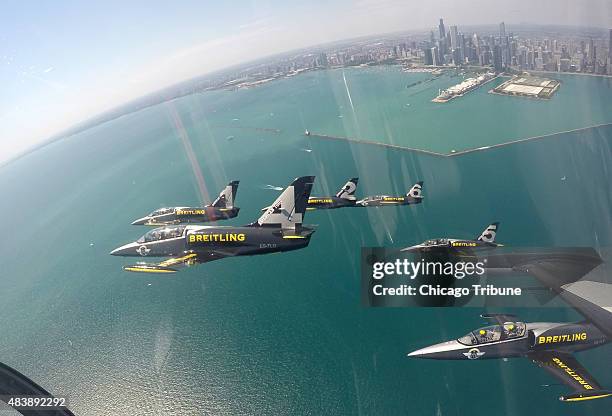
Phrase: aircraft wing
[174,264]
[565,368]
[590,294]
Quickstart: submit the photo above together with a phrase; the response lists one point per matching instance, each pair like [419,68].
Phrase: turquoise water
[285,333]
[382,108]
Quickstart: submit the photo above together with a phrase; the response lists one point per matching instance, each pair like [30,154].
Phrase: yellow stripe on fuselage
[293,236]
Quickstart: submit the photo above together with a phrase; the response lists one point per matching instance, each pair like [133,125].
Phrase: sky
[62,62]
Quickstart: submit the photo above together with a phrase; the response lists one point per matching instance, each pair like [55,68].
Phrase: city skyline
[58,97]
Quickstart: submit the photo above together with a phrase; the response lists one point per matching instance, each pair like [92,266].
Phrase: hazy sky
[64,61]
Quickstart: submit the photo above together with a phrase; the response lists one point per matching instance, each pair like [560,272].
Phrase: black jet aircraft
[581,278]
[278,229]
[344,198]
[221,209]
[414,196]
[486,240]
[549,345]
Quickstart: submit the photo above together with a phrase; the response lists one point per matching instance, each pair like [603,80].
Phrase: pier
[463,88]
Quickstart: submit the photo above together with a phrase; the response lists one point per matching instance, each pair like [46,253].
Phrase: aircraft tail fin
[348,190]
[289,208]
[416,191]
[488,235]
[227,196]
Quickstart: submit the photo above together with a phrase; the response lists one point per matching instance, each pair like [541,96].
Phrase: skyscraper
[453,37]
[428,56]
[435,56]
[610,54]
[441,28]
[502,31]
[497,58]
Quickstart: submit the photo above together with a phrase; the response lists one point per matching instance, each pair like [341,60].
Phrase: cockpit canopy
[494,333]
[162,233]
[161,211]
[436,242]
[373,198]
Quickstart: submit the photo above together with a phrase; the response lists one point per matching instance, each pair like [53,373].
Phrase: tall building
[502,30]
[453,37]
[441,28]
[497,58]
[428,57]
[435,56]
[610,54]
[591,52]
[461,45]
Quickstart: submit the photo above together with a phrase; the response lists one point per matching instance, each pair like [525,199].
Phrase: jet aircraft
[414,196]
[344,198]
[580,277]
[485,240]
[549,345]
[221,209]
[278,229]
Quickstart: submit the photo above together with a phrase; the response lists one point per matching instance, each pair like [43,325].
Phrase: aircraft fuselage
[386,200]
[222,241]
[328,202]
[183,215]
[538,336]
[450,244]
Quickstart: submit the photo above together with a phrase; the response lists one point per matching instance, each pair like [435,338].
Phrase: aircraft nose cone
[441,350]
[411,248]
[140,221]
[420,352]
[125,250]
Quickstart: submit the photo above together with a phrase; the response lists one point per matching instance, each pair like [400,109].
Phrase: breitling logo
[190,212]
[473,354]
[221,238]
[580,336]
[320,201]
[585,384]
[463,244]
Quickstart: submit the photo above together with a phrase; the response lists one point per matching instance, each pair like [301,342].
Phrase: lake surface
[285,333]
